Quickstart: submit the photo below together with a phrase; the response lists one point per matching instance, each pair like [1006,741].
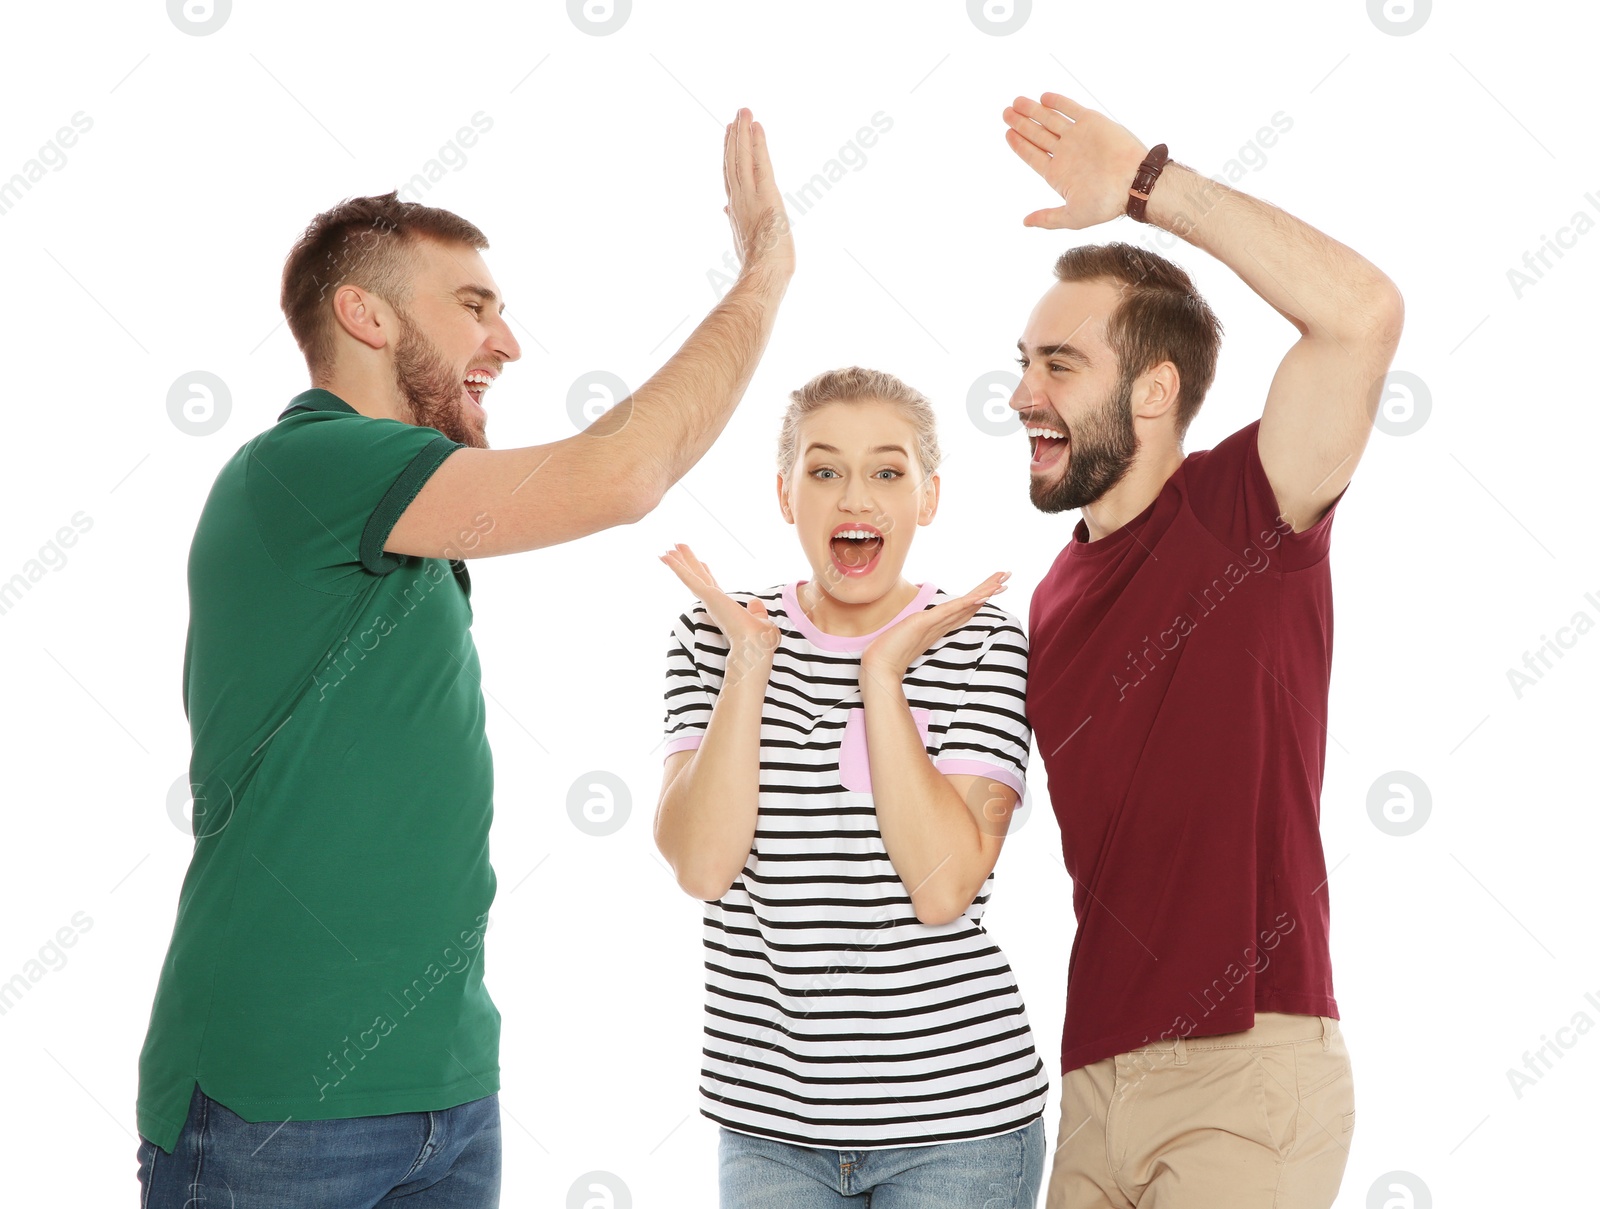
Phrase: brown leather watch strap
[1144,180]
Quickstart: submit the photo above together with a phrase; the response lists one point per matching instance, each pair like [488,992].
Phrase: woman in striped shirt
[843,756]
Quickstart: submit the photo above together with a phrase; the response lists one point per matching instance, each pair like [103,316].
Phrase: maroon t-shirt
[1178,689]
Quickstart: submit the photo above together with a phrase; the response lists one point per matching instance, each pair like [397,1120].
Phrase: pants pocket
[1280,1100]
[1326,1087]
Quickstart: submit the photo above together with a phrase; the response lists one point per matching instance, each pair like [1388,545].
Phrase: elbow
[642,501]
[936,910]
[639,503]
[704,880]
[636,504]
[703,885]
[1389,311]
[1382,313]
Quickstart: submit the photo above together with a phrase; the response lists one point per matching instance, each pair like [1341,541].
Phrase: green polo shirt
[326,961]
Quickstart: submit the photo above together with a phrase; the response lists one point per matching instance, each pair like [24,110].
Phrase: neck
[1133,494]
[847,620]
[372,392]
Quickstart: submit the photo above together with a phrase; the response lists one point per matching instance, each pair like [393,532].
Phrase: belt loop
[1327,1033]
[1180,1053]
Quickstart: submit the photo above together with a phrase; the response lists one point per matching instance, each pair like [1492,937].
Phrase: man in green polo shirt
[321,1034]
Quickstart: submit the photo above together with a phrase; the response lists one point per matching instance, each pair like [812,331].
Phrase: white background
[1443,155]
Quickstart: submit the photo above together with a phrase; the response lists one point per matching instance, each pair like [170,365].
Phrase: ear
[783,500]
[930,501]
[358,315]
[1155,393]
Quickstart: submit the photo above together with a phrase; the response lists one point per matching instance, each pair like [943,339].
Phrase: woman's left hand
[892,652]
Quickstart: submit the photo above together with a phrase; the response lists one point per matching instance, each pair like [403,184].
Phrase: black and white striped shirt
[833,1017]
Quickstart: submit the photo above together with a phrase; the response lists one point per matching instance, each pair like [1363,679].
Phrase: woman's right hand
[752,635]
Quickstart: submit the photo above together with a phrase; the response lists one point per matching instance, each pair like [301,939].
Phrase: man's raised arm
[1322,400]
[617,470]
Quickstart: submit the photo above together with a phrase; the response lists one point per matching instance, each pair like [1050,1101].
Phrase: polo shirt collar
[317,399]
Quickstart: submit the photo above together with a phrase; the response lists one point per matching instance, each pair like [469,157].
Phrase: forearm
[707,817]
[929,832]
[661,430]
[1323,287]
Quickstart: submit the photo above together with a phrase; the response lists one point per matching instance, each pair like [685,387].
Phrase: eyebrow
[1057,350]
[875,449]
[483,292]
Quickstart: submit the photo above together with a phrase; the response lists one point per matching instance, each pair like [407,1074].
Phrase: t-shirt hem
[1120,1043]
[1037,1114]
[433,1099]
[265,1108]
[154,1127]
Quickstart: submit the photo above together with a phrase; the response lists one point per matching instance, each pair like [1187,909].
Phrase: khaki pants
[1261,1118]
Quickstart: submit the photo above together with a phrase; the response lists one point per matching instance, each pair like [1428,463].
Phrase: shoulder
[311,433]
[989,627]
[990,616]
[1228,458]
[694,624]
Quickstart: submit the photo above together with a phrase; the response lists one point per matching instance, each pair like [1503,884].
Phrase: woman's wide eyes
[886,470]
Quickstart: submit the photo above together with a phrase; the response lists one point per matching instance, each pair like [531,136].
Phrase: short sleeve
[1230,494]
[688,702]
[327,488]
[988,735]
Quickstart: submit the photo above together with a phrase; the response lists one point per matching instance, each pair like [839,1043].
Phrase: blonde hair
[854,385]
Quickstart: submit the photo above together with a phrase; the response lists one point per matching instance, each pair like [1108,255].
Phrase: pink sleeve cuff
[681,743]
[981,768]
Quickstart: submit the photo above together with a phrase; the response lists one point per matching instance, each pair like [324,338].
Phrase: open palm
[898,647]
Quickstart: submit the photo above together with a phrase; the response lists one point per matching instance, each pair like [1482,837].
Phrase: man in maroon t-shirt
[1180,648]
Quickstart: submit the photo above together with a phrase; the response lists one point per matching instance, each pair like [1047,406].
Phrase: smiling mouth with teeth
[855,550]
[1047,446]
[476,383]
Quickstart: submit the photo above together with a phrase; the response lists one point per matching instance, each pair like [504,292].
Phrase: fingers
[1028,153]
[694,573]
[1066,105]
[1029,129]
[1052,220]
[1046,116]
[761,162]
[989,587]
[743,166]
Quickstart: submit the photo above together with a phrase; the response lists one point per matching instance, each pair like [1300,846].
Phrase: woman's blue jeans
[1002,1172]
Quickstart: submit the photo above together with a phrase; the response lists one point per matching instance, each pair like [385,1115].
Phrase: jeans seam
[422,1151]
[199,1142]
[150,1176]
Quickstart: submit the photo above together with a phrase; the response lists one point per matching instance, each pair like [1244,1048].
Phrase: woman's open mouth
[855,549]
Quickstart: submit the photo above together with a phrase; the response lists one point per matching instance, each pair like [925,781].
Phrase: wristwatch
[1144,180]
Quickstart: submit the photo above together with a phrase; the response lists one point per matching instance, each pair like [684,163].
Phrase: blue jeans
[1002,1172]
[449,1159]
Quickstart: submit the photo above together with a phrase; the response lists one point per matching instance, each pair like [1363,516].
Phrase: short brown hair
[1160,317]
[855,384]
[362,241]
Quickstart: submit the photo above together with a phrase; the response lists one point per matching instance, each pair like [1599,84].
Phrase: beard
[1101,451]
[432,388]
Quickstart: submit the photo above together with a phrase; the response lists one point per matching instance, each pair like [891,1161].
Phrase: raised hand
[761,236]
[752,635]
[898,647]
[1081,153]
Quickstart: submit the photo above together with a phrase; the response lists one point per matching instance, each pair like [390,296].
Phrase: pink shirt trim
[841,642]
